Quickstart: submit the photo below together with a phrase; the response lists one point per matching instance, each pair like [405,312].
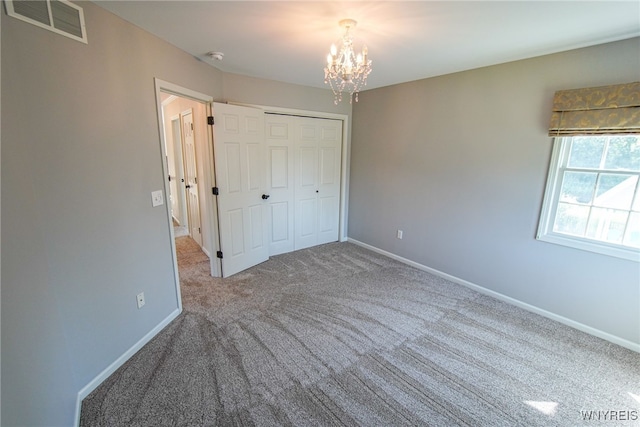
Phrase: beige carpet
[338,335]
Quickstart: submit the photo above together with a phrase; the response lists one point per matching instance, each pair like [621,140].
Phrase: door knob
[265,196]
[187,186]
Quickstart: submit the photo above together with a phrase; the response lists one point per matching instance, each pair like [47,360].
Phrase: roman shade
[596,110]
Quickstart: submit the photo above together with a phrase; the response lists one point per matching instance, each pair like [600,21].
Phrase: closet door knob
[265,196]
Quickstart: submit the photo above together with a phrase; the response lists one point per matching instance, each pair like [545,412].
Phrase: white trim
[168,101]
[561,319]
[159,86]
[346,149]
[94,383]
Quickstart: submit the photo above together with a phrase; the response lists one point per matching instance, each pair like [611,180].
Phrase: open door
[191,176]
[239,153]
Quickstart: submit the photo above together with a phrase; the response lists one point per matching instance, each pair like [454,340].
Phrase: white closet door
[317,181]
[329,156]
[306,183]
[279,136]
[240,176]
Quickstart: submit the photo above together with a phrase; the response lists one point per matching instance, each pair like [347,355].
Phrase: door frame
[344,162]
[208,180]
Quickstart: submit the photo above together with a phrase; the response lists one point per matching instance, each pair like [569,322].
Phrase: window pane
[615,190]
[592,200]
[571,219]
[607,225]
[632,236]
[578,187]
[586,152]
[623,153]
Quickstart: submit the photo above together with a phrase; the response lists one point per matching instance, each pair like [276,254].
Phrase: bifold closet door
[303,181]
[279,136]
[317,154]
[238,136]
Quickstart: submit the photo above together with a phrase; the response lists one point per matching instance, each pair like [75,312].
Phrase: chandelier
[346,71]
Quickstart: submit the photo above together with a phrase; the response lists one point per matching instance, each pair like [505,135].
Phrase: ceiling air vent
[59,16]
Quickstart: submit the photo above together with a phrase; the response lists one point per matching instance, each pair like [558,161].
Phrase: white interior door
[176,171]
[171,168]
[279,137]
[191,176]
[239,153]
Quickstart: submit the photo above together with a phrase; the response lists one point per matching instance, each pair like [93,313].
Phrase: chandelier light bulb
[346,71]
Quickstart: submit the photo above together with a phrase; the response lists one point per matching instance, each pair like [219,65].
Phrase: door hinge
[219,254]
[195,180]
[215,191]
[210,120]
[199,231]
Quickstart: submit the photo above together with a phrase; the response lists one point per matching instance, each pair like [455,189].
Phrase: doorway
[205,178]
[182,150]
[185,139]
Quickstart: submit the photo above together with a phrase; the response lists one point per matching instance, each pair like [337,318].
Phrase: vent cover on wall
[59,16]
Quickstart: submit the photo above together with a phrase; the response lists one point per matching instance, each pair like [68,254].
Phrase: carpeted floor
[338,335]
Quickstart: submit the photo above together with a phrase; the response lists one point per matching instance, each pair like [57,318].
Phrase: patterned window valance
[596,110]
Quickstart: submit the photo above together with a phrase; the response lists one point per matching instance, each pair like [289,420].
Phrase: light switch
[156,198]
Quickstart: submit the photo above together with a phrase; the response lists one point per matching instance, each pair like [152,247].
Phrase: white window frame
[51,26]
[559,159]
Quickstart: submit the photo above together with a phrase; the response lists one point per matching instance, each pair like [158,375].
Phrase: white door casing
[239,154]
[191,176]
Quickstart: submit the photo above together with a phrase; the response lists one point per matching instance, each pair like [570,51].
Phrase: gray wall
[80,157]
[459,163]
[249,90]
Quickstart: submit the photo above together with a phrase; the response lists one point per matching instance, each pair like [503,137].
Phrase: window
[592,200]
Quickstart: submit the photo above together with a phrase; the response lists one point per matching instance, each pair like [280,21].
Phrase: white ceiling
[407,40]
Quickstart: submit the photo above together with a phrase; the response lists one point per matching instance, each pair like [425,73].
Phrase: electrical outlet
[140,299]
[399,235]
[156,198]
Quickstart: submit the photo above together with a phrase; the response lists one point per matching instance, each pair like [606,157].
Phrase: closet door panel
[329,162]
[280,177]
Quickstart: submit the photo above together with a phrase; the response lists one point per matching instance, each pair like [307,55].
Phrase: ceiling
[407,40]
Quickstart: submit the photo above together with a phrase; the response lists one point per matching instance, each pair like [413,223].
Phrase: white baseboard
[532,308]
[94,383]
